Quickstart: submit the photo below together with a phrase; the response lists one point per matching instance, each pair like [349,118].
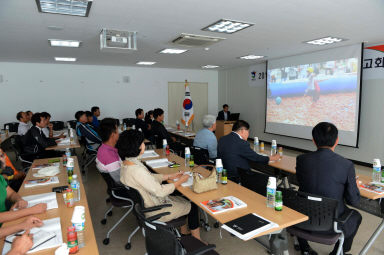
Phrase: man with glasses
[235,151]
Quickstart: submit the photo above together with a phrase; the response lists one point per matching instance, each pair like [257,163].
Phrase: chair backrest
[12,126]
[57,125]
[321,211]
[254,181]
[159,239]
[201,156]
[129,122]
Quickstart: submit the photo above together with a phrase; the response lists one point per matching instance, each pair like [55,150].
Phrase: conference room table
[72,145]
[64,212]
[288,165]
[255,202]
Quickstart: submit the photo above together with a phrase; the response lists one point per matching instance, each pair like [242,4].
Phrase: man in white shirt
[24,125]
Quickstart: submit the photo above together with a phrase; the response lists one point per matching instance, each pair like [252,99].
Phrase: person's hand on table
[32,222]
[22,244]
[274,157]
[184,178]
[175,176]
[20,204]
[39,208]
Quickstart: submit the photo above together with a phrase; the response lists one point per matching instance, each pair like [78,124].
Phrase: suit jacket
[328,174]
[35,141]
[235,152]
[141,124]
[220,116]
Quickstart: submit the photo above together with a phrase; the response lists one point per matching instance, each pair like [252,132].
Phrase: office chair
[160,239]
[201,156]
[72,123]
[322,213]
[129,122]
[88,156]
[12,126]
[17,146]
[254,181]
[57,125]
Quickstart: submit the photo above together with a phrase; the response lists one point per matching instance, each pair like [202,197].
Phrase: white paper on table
[48,198]
[150,154]
[39,182]
[64,141]
[47,171]
[51,227]
[158,163]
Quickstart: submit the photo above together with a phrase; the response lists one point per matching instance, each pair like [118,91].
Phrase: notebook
[48,198]
[158,163]
[223,204]
[248,226]
[46,237]
[40,182]
[150,154]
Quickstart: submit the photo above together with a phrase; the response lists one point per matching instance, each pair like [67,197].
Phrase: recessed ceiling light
[67,7]
[325,40]
[209,66]
[145,63]
[65,59]
[227,26]
[173,51]
[250,57]
[64,43]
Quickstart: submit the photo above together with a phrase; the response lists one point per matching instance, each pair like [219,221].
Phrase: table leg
[276,244]
[372,238]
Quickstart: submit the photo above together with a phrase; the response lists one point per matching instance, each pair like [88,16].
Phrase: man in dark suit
[140,123]
[328,174]
[35,142]
[224,114]
[234,150]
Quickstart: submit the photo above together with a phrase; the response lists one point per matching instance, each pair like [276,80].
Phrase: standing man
[96,113]
[224,114]
[328,174]
[24,124]
[235,151]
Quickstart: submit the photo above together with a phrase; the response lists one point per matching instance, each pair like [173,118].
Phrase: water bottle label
[377,169]
[219,169]
[271,191]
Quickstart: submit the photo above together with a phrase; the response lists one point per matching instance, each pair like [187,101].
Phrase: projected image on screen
[308,94]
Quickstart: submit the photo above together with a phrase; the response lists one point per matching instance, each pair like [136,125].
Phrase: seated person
[148,120]
[24,124]
[35,142]
[159,129]
[134,174]
[83,129]
[22,244]
[224,114]
[96,113]
[328,174]
[108,159]
[7,193]
[48,131]
[235,151]
[29,116]
[16,178]
[205,138]
[89,117]
[139,121]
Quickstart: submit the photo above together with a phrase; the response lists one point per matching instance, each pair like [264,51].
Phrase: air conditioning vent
[196,40]
[117,41]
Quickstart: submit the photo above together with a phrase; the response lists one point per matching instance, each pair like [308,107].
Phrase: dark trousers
[193,217]
[349,229]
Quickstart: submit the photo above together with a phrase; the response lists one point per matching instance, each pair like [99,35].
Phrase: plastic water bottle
[219,169]
[6,130]
[376,173]
[125,126]
[273,147]
[271,192]
[71,135]
[75,185]
[177,125]
[78,223]
[256,144]
[68,153]
[187,156]
[165,147]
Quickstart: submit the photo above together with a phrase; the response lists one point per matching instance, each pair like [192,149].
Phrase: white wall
[250,102]
[62,89]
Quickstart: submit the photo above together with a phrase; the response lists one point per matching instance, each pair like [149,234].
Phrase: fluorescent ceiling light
[145,63]
[325,40]
[250,57]
[65,59]
[64,43]
[227,26]
[67,7]
[173,51]
[209,66]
